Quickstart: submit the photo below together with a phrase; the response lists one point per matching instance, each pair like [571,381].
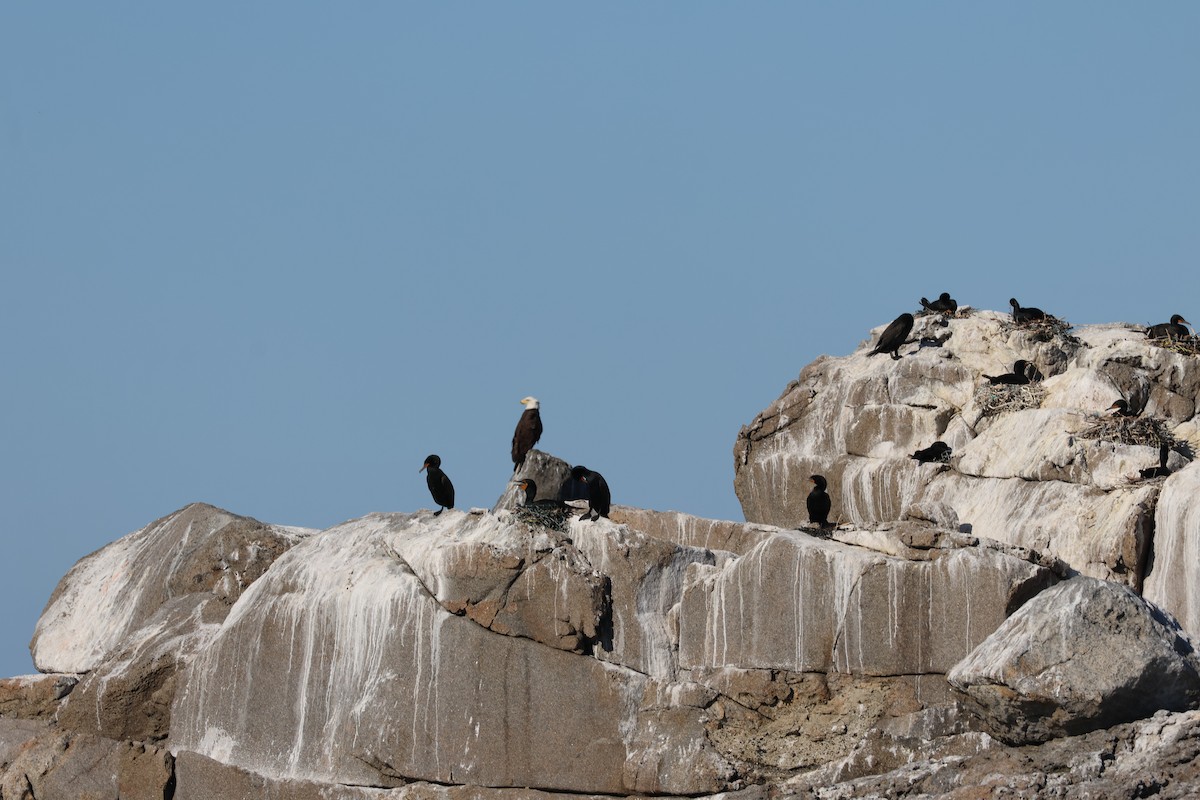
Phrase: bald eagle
[529,430]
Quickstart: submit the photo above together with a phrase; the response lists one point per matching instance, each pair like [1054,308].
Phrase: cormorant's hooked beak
[423,466]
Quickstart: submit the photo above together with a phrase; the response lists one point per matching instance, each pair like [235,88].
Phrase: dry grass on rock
[1130,430]
[1001,399]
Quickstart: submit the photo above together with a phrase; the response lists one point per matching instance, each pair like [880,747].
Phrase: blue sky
[271,255]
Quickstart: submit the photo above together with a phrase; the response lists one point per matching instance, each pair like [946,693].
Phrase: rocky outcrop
[506,654]
[1173,581]
[1027,469]
[115,591]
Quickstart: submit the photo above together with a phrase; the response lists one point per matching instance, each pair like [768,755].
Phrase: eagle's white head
[530,403]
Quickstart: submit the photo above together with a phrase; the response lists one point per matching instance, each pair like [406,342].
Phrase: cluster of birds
[583,483]
[1024,372]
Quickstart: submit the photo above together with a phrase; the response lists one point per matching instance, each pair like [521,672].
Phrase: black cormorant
[529,430]
[439,484]
[818,502]
[1018,377]
[530,489]
[945,304]
[938,451]
[1022,315]
[1121,408]
[598,496]
[1162,470]
[1170,330]
[893,336]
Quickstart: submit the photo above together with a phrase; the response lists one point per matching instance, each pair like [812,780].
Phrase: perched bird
[1018,377]
[528,486]
[1170,330]
[1162,470]
[818,502]
[439,484]
[1022,315]
[598,496]
[547,513]
[945,304]
[1121,408]
[529,430]
[893,336]
[938,451]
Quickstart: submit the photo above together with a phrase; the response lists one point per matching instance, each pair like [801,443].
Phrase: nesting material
[1001,399]
[1188,345]
[1045,330]
[553,517]
[1130,430]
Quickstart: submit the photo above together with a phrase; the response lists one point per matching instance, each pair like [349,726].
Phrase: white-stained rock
[114,591]
[1083,655]
[1174,579]
[1034,476]
[805,605]
[1097,533]
[340,665]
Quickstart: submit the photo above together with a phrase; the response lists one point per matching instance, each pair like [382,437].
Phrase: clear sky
[271,255]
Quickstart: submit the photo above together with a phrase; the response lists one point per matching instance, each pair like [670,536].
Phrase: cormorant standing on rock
[945,304]
[1022,315]
[598,496]
[529,430]
[1162,470]
[1121,408]
[439,484]
[1170,330]
[893,336]
[1018,377]
[818,502]
[938,451]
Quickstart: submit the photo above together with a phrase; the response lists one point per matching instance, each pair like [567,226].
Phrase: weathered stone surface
[202,778]
[684,529]
[646,577]
[548,473]
[384,685]
[1174,578]
[515,579]
[129,696]
[1158,757]
[34,696]
[1017,476]
[1083,655]
[116,590]
[803,605]
[1105,534]
[55,763]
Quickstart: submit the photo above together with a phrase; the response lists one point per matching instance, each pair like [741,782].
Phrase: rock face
[1086,654]
[1027,468]
[501,655]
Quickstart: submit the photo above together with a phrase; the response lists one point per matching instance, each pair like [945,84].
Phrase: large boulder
[383,685]
[114,592]
[1083,655]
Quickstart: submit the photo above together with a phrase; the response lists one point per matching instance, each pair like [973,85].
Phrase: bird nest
[1045,330]
[1188,345]
[1001,399]
[556,518]
[1130,430]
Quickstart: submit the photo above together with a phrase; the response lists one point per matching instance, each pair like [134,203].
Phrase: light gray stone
[339,665]
[805,605]
[116,590]
[1084,655]
[1173,581]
